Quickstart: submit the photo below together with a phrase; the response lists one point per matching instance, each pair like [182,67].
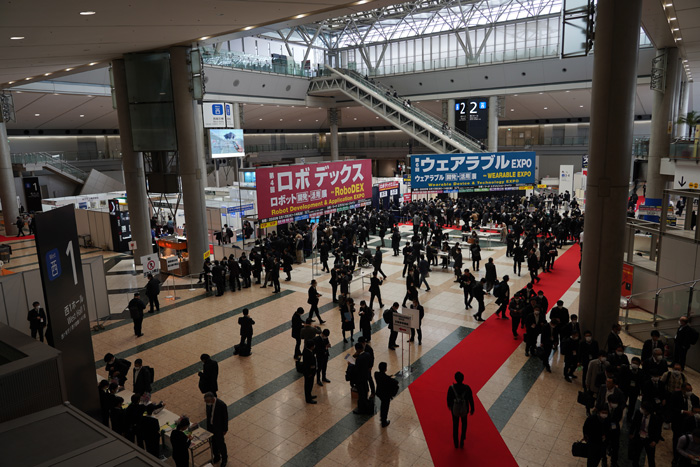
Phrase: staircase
[425,128]
[48,161]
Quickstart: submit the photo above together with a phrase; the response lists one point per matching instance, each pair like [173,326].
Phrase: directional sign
[402,323]
[173,262]
[151,265]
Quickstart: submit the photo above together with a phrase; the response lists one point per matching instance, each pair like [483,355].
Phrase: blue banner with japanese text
[449,171]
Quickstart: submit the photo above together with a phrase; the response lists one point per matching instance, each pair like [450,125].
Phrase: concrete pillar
[660,138]
[493,124]
[193,174]
[132,165]
[8,192]
[334,120]
[612,120]
[451,113]
[682,128]
[236,115]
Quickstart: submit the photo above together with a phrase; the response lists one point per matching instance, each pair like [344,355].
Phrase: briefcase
[585,399]
[579,449]
[300,366]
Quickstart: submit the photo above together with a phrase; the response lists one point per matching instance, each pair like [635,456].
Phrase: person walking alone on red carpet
[461,403]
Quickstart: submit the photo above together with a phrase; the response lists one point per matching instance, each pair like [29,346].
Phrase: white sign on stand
[566,179]
[213,115]
[132,245]
[402,323]
[173,263]
[151,265]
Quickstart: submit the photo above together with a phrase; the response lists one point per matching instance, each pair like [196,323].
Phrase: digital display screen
[249,177]
[226,143]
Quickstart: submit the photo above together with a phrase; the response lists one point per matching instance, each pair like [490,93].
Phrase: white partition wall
[18,291]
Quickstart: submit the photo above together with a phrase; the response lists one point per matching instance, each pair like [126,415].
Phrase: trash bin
[5,251]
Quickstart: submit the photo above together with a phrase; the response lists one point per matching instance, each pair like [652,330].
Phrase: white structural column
[334,120]
[682,128]
[193,174]
[451,113]
[493,124]
[132,164]
[8,192]
[612,120]
[661,124]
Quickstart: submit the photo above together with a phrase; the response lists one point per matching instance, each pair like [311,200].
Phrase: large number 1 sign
[66,305]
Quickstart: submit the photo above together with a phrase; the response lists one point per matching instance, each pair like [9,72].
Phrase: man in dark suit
[246,323]
[685,338]
[313,301]
[136,308]
[217,424]
[363,366]
[37,321]
[387,388]
[209,375]
[375,290]
[117,368]
[461,404]
[388,317]
[321,346]
[650,344]
[149,431]
[309,369]
[297,324]
[218,276]
[683,405]
[614,340]
[152,291]
[645,433]
[378,261]
[143,377]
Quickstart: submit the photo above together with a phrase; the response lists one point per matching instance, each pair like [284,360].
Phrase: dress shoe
[314,397]
[215,460]
[311,402]
[326,380]
[321,322]
[386,423]
[319,383]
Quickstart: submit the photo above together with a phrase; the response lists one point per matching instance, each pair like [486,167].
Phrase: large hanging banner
[450,171]
[292,190]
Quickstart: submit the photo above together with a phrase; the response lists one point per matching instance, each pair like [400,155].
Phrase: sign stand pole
[171,296]
[403,368]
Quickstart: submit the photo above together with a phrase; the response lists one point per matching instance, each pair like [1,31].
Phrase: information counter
[173,250]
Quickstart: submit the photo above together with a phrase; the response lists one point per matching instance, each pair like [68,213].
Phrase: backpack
[126,363]
[388,317]
[693,337]
[498,290]
[394,389]
[459,406]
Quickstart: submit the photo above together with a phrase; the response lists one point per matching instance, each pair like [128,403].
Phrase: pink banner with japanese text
[297,189]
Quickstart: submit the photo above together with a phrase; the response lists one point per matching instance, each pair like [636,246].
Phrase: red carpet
[12,239]
[484,445]
[640,201]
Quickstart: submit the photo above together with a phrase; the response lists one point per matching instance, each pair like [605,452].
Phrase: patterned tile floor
[270,425]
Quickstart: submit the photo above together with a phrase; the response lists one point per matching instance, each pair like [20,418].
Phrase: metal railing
[664,302]
[250,62]
[421,114]
[49,159]
[684,149]
[485,58]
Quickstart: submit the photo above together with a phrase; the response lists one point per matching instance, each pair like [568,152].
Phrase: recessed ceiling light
[280,119]
[36,115]
[204,38]
[376,117]
[512,110]
[679,38]
[301,16]
[355,118]
[16,38]
[27,79]
[672,19]
[545,108]
[676,29]
[68,69]
[316,119]
[248,28]
[685,61]
[260,119]
[47,74]
[541,93]
[87,13]
[581,106]
[300,119]
[361,2]
[568,91]
[10,82]
[515,95]
[92,64]
[81,115]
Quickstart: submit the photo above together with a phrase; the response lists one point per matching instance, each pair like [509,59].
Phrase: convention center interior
[349,233]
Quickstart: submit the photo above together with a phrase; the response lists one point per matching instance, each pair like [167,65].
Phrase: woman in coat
[476,254]
[347,316]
